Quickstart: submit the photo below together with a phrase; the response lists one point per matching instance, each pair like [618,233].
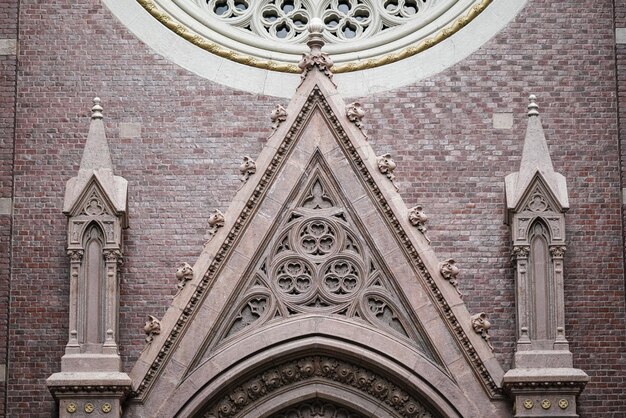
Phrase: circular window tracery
[272,34]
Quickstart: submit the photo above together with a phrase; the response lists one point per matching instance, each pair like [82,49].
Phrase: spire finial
[96,110]
[316,40]
[533,108]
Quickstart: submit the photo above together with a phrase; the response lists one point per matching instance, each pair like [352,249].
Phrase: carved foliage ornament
[318,409]
[418,219]
[152,327]
[481,326]
[247,168]
[449,270]
[216,221]
[278,115]
[183,274]
[323,368]
[386,165]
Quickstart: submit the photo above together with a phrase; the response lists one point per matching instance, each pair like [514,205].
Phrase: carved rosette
[320,368]
[449,270]
[481,326]
[321,60]
[386,165]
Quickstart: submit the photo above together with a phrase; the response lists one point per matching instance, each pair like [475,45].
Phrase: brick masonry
[193,133]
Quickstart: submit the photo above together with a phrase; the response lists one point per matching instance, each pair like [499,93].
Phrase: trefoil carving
[481,326]
[418,219]
[449,270]
[386,165]
[184,273]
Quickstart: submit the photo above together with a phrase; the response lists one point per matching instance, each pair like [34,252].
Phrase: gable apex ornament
[536,165]
[316,58]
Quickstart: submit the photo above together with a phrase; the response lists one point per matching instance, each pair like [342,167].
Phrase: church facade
[312,209]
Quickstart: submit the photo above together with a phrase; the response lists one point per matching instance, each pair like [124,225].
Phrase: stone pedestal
[89,394]
[545,392]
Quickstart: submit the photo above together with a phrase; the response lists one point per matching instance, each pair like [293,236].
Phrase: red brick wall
[8,30]
[194,134]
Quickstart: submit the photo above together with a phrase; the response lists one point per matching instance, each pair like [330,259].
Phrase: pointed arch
[92,287]
[542,282]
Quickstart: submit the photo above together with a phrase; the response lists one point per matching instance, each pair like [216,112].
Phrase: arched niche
[92,288]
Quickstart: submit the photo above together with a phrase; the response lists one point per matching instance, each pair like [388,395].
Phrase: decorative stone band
[558,385]
[211,46]
[317,98]
[119,390]
[263,385]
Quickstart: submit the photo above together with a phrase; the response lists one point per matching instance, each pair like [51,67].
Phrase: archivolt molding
[317,99]
[196,33]
[236,401]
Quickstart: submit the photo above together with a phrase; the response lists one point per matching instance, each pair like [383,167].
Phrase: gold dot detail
[528,404]
[89,408]
[71,407]
[563,404]
[546,404]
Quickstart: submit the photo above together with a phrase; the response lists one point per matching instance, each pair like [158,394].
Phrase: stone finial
[386,165]
[96,110]
[533,108]
[449,270]
[315,57]
[481,326]
[183,274]
[152,327]
[247,168]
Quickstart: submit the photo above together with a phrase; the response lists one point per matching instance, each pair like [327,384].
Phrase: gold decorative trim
[284,67]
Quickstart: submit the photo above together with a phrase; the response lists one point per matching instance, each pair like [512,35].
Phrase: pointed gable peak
[96,155]
[96,163]
[535,161]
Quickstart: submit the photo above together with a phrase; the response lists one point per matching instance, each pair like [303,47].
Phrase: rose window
[272,34]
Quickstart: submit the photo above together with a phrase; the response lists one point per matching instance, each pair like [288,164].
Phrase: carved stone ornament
[152,327]
[557,251]
[386,165]
[247,168]
[113,256]
[216,221]
[321,368]
[520,251]
[279,115]
[316,58]
[183,274]
[418,219]
[76,256]
[318,409]
[450,271]
[355,114]
[481,326]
